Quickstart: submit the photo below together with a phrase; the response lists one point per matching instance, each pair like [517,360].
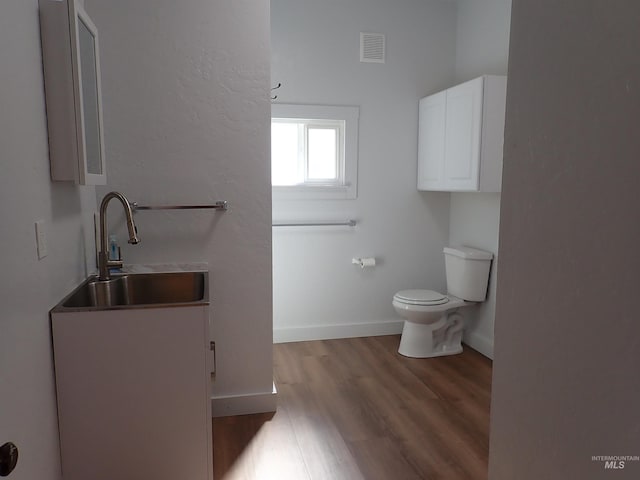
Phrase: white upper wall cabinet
[461,133]
[72,88]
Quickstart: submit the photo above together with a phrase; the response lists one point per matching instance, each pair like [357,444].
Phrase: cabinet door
[91,161]
[462,136]
[133,389]
[431,142]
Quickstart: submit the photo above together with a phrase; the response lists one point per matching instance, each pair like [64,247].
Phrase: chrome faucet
[103,257]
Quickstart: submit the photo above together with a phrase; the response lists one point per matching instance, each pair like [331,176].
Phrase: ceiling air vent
[372,47]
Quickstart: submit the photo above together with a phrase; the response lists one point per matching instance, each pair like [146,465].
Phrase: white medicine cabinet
[72,90]
[461,133]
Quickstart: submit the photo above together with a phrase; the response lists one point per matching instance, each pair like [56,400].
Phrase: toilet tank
[467,272]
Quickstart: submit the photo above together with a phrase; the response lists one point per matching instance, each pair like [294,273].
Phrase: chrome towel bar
[222,205]
[349,223]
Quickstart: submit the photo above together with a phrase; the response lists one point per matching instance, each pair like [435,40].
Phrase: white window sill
[314,192]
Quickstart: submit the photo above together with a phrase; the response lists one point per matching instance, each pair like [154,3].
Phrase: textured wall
[186,100]
[318,293]
[30,287]
[567,350]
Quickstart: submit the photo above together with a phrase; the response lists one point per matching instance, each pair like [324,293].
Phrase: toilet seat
[420,297]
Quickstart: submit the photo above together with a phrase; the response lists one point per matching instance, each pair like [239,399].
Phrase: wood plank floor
[354,409]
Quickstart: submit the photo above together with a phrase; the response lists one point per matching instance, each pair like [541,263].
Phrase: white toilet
[433,326]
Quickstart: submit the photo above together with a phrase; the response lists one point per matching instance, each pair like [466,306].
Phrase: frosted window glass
[284,154]
[322,154]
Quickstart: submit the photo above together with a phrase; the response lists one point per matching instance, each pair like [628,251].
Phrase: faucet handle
[115,263]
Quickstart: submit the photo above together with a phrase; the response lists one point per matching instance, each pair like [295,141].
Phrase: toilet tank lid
[468,253]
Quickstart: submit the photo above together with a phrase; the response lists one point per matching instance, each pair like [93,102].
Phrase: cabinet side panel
[133,394]
[208,384]
[59,93]
[495,94]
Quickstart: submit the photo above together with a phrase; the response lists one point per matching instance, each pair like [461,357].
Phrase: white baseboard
[480,343]
[326,332]
[246,404]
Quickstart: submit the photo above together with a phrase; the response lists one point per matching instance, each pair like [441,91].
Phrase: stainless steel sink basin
[138,290]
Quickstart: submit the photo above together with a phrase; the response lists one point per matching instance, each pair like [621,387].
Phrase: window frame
[314,115]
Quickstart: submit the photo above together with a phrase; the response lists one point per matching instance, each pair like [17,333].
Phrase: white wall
[186,110]
[30,287]
[475,218]
[565,379]
[318,293]
[482,47]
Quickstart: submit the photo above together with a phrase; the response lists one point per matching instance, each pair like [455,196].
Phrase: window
[307,152]
[314,151]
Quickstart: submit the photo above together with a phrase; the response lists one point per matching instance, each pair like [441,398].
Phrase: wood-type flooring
[352,409]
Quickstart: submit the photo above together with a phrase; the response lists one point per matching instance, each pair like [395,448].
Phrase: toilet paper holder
[364,262]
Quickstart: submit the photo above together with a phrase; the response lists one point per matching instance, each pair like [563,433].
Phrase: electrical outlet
[41,240]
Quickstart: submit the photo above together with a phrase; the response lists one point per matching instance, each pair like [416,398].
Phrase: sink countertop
[165,267]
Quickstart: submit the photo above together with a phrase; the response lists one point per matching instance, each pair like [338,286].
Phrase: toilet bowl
[433,326]
[433,322]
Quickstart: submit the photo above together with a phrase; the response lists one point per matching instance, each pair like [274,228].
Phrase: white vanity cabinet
[133,390]
[70,56]
[460,137]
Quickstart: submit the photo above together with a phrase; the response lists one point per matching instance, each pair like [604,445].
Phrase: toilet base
[432,340]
